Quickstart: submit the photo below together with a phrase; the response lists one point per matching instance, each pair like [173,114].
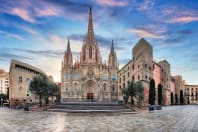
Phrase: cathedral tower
[90,51]
[68,61]
[113,63]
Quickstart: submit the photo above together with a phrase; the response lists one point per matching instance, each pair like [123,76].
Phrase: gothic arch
[90,52]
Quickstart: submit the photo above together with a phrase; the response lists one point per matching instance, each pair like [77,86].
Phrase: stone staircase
[82,107]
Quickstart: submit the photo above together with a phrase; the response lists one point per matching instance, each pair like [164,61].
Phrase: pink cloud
[183,19]
[22,13]
[145,33]
[112,2]
[179,15]
[30,12]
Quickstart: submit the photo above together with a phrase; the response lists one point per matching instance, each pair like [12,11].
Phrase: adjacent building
[4,81]
[20,77]
[89,78]
[191,94]
[143,68]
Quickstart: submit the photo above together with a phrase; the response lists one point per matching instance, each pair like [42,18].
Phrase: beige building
[89,78]
[143,68]
[139,68]
[21,75]
[179,85]
[165,81]
[191,94]
[4,81]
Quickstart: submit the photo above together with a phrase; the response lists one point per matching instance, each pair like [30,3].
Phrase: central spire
[90,34]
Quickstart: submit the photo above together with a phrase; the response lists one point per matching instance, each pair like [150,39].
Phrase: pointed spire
[68,46]
[112,48]
[90,34]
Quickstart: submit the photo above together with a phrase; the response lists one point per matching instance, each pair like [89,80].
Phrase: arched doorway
[90,90]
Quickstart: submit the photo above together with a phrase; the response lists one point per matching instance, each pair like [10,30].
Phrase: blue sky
[36,31]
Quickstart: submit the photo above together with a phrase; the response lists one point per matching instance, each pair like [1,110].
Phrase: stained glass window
[75,75]
[67,77]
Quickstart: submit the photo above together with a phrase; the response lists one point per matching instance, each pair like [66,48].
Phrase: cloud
[4,56]
[23,13]
[177,38]
[29,30]
[176,14]
[182,19]
[49,53]
[112,3]
[145,33]
[28,11]
[10,35]
[103,42]
[145,5]
[185,32]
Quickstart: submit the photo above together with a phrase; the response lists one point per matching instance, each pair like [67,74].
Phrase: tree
[152,92]
[176,99]
[52,89]
[128,92]
[43,87]
[171,98]
[3,98]
[125,94]
[181,97]
[131,91]
[160,97]
[139,92]
[38,86]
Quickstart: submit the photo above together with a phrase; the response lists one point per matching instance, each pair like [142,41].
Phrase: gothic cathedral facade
[89,79]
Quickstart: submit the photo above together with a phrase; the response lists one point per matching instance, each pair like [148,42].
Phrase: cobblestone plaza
[170,119]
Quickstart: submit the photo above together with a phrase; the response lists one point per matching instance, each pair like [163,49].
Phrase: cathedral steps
[76,107]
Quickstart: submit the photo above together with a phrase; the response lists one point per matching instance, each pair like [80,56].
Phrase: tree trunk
[40,102]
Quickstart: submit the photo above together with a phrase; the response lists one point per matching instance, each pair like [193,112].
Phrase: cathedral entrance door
[90,90]
[90,96]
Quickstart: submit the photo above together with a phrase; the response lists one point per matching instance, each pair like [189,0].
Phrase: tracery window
[90,52]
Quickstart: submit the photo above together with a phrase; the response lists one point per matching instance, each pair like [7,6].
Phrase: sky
[36,31]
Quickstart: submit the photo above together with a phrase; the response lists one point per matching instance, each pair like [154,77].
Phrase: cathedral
[89,79]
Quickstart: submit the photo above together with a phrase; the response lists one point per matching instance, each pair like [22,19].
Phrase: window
[149,68]
[90,52]
[123,78]
[138,77]
[133,77]
[133,67]
[75,75]
[145,65]
[28,81]
[123,85]
[146,77]
[113,88]
[104,87]
[20,79]
[128,74]
[84,57]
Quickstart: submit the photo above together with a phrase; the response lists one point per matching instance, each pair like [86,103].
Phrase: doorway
[90,96]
